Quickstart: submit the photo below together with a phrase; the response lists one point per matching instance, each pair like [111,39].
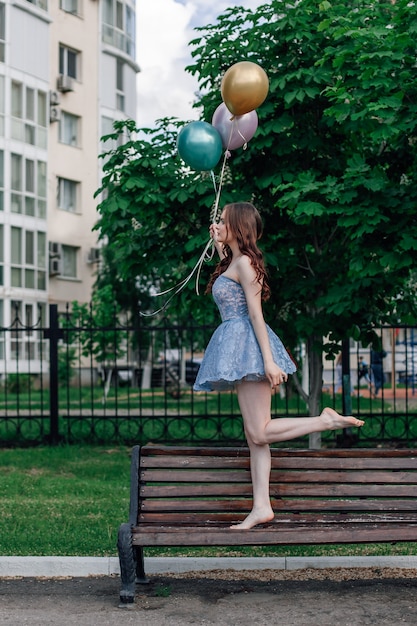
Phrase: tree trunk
[146,381]
[315,374]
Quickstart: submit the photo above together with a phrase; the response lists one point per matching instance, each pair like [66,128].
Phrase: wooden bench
[190,496]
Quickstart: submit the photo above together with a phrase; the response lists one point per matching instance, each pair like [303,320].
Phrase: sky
[164,29]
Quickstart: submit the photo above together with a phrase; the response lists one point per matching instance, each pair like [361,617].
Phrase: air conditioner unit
[65,83]
[55,266]
[54,98]
[55,249]
[93,255]
[54,114]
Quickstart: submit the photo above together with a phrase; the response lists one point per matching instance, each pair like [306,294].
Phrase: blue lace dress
[233,354]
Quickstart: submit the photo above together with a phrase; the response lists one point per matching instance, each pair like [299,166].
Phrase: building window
[2,334]
[28,108]
[42,119]
[1,180]
[71,6]
[68,62]
[130,28]
[1,254]
[106,126]
[42,4]
[68,195]
[69,261]
[17,99]
[28,258]
[30,128]
[16,257]
[16,183]
[30,187]
[26,341]
[120,96]
[41,260]
[28,184]
[68,129]
[119,26]
[2,106]
[42,109]
[2,30]
[41,190]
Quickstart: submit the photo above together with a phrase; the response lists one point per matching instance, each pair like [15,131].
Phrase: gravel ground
[352,597]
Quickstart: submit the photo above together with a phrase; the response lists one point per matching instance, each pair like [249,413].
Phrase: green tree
[331,168]
[154,218]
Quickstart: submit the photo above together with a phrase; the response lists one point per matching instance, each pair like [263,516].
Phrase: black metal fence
[73,381]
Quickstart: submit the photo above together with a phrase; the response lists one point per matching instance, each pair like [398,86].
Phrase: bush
[19,383]
[66,359]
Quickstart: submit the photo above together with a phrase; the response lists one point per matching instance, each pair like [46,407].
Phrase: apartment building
[67,71]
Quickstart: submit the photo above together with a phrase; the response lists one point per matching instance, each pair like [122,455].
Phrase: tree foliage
[155,216]
[332,168]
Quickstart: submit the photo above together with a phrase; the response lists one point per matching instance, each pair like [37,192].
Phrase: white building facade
[67,71]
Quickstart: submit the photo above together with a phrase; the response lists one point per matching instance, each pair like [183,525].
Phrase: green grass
[62,500]
[70,501]
[86,399]
[89,399]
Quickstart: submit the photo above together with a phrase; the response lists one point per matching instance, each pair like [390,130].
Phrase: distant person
[339,373]
[363,371]
[377,370]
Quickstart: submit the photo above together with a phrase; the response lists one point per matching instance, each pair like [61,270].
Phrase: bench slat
[278,476]
[183,490]
[188,451]
[213,518]
[277,535]
[297,461]
[169,506]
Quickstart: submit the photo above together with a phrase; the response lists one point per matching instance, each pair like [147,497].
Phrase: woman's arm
[253,292]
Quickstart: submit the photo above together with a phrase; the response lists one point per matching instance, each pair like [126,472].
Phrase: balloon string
[215,211]
[245,145]
[205,256]
[180,286]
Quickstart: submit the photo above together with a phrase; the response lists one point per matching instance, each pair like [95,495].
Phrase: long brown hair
[245,223]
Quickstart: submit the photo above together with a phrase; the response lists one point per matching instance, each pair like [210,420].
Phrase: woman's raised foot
[334,421]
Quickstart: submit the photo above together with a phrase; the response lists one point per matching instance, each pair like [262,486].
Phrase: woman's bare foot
[333,420]
[256,516]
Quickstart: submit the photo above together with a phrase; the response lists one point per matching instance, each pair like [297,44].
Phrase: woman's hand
[214,234]
[213,231]
[275,375]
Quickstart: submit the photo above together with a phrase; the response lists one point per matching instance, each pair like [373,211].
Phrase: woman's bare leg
[260,468]
[255,405]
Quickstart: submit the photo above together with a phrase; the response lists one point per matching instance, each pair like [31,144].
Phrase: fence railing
[71,380]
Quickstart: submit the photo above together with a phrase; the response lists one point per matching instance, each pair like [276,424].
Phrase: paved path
[210,601]
[378,591]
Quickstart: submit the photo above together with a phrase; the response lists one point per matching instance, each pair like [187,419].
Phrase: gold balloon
[244,87]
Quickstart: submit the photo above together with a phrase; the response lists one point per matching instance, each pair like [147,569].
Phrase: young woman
[245,354]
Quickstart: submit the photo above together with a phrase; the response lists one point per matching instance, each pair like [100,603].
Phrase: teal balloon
[199,144]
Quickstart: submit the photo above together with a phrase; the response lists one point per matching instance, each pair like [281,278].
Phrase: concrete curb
[62,566]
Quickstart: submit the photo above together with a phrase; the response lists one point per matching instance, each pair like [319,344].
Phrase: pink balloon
[235,130]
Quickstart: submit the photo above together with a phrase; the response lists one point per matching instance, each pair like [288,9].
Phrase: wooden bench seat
[183,496]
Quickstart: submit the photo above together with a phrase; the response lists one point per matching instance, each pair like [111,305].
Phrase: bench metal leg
[140,567]
[127,565]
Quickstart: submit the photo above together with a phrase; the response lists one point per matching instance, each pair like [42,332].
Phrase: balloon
[235,130]
[244,87]
[199,144]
